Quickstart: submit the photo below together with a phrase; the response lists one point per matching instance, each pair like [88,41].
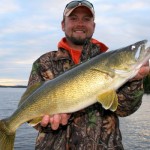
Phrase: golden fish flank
[95,80]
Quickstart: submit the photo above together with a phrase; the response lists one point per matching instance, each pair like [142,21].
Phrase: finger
[51,119]
[45,120]
[56,121]
[146,63]
[144,70]
[64,118]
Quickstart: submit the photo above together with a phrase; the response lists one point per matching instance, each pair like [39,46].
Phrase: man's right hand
[55,120]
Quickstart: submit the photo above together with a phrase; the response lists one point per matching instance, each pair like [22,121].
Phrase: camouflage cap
[70,7]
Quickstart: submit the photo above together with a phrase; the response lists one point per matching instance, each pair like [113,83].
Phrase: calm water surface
[135,128]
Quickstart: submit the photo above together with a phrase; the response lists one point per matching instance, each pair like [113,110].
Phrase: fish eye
[133,47]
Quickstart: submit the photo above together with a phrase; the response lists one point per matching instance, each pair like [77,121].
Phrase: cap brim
[71,10]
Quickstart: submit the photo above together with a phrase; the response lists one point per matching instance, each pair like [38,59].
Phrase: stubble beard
[77,41]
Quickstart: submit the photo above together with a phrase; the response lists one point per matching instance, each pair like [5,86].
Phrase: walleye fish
[95,80]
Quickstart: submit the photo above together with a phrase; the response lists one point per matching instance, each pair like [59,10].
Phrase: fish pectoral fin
[105,70]
[35,121]
[123,73]
[29,91]
[114,104]
[109,100]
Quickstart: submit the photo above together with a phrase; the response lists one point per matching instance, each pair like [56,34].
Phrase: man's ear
[94,26]
[63,25]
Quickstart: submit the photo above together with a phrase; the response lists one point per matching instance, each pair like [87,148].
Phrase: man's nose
[80,22]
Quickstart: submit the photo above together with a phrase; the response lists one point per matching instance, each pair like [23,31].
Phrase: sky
[30,28]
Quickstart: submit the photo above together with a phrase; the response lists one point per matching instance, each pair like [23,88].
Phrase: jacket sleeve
[48,66]
[35,75]
[130,98]
[42,69]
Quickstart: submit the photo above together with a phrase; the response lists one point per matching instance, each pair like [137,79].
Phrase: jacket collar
[75,54]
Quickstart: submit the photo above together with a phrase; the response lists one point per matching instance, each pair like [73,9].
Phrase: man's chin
[77,40]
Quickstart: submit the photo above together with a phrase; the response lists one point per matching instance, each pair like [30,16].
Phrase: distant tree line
[16,86]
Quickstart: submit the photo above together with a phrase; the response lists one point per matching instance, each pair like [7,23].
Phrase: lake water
[135,128]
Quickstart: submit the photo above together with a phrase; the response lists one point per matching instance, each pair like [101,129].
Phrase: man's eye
[73,18]
[87,18]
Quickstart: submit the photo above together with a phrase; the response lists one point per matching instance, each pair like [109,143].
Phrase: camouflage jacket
[92,128]
[146,84]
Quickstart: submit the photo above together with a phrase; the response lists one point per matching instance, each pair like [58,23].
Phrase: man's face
[78,26]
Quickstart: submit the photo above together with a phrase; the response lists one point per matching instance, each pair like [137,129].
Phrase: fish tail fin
[7,138]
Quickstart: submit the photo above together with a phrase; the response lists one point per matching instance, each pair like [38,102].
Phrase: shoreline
[13,86]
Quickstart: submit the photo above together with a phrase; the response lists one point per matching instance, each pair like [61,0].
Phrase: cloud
[27,25]
[12,82]
[134,5]
[8,6]
[119,23]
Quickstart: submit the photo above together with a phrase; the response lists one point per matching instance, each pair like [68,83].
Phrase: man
[93,128]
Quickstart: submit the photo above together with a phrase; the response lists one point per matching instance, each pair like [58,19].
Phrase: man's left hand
[144,71]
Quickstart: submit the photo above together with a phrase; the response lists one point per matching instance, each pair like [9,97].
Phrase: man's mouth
[79,31]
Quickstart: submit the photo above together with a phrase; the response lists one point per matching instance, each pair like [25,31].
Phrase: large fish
[95,80]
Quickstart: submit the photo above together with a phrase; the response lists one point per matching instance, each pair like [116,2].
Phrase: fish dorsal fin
[29,91]
[109,100]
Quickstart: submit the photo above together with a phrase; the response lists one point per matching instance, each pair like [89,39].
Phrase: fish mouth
[143,53]
[141,49]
